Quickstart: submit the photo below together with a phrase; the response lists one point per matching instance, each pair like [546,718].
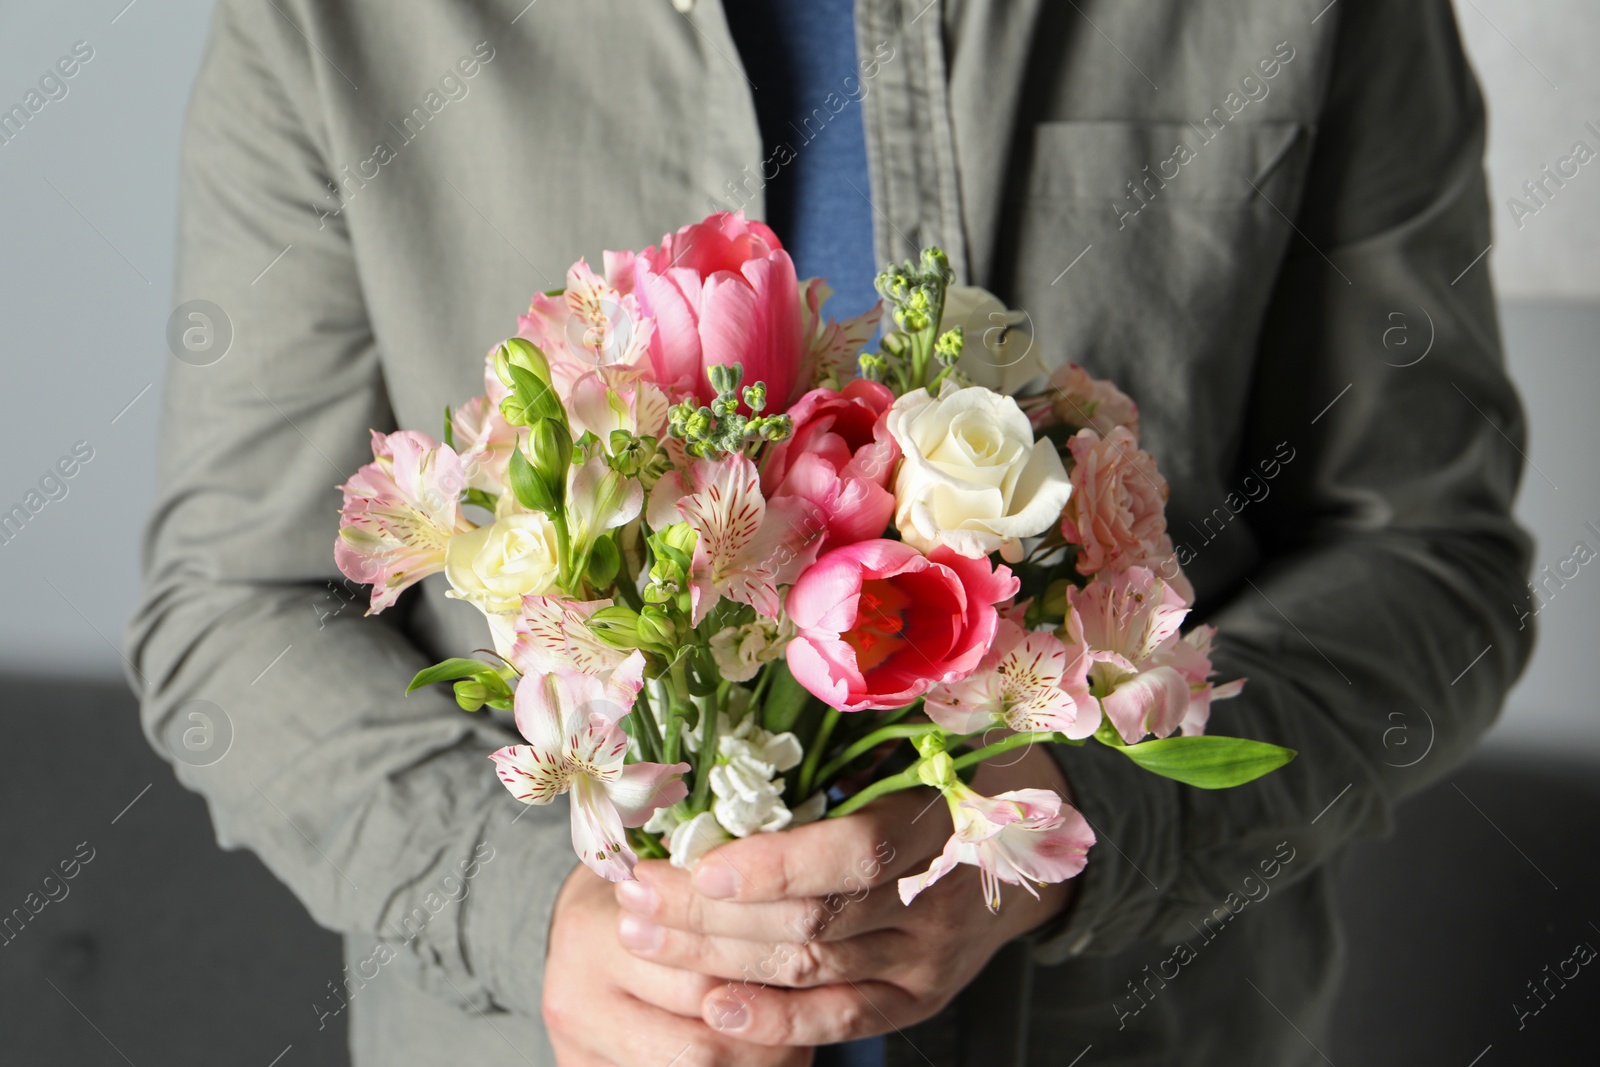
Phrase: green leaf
[1208,761]
[531,399]
[784,701]
[449,428]
[450,670]
[604,562]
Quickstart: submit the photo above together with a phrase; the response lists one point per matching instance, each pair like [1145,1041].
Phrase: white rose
[494,566]
[972,477]
[998,349]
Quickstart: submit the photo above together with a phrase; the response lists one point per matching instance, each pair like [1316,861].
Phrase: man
[1219,205]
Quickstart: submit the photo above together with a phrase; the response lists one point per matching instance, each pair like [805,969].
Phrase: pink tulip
[721,291]
[1117,511]
[840,459]
[879,623]
[399,513]
[573,724]
[1025,837]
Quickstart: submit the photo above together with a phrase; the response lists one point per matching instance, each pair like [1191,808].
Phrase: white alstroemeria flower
[573,724]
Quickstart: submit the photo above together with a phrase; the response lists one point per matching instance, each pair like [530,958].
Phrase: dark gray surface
[165,951]
[177,953]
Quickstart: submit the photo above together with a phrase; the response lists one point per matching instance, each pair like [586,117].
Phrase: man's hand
[604,1007]
[807,929]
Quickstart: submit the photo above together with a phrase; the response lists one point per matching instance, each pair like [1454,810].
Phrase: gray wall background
[89,197]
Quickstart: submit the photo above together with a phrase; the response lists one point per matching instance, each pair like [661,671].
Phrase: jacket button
[682,7]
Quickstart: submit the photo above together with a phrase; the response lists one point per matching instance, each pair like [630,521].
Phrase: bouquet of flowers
[740,574]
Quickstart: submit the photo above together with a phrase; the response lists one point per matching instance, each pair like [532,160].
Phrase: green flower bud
[550,453]
[519,352]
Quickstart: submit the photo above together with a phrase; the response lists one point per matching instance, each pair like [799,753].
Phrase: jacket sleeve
[378,810]
[1378,621]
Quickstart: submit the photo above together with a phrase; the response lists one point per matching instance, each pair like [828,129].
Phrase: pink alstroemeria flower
[840,459]
[1023,837]
[1125,620]
[1028,681]
[483,438]
[1190,656]
[399,514]
[593,326]
[747,546]
[553,634]
[573,725]
[880,623]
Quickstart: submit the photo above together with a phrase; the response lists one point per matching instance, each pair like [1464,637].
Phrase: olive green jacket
[1264,222]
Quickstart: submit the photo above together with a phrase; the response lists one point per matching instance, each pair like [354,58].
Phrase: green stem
[709,717]
[808,769]
[628,590]
[899,713]
[1014,741]
[906,779]
[677,697]
[872,741]
[649,734]
[563,550]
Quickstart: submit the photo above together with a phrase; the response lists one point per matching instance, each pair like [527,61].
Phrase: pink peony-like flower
[1128,621]
[400,512]
[1022,837]
[1028,681]
[880,623]
[1072,398]
[840,459]
[573,725]
[1117,513]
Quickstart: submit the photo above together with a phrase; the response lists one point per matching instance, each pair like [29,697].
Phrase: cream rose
[972,477]
[495,566]
[998,349]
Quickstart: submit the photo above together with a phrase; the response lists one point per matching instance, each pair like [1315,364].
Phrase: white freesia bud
[687,839]
[741,651]
[998,349]
[971,475]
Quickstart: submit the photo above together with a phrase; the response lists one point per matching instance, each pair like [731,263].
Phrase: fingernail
[638,935]
[637,897]
[717,881]
[728,1014]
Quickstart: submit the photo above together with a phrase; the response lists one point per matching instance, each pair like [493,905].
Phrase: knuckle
[808,964]
[851,1017]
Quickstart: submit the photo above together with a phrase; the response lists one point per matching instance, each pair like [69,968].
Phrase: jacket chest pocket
[1147,251]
